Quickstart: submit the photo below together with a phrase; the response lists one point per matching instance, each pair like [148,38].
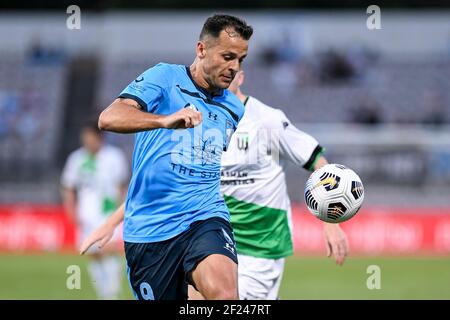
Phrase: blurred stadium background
[378,100]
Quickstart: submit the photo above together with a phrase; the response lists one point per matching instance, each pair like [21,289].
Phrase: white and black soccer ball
[334,193]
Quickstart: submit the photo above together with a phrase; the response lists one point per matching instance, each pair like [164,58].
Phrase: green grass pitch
[43,276]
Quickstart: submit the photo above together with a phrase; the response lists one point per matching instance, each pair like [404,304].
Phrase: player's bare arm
[320,163]
[69,201]
[105,232]
[335,238]
[336,242]
[127,116]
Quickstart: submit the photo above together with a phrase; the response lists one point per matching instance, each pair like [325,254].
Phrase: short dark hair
[218,22]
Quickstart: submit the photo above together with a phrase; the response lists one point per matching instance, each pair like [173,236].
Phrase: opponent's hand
[184,118]
[102,234]
[336,242]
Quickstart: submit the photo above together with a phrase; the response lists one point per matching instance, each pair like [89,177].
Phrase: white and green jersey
[253,180]
[97,179]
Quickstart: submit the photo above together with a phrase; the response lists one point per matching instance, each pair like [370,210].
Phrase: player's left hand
[336,242]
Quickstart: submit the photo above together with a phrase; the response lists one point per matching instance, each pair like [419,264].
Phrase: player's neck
[200,80]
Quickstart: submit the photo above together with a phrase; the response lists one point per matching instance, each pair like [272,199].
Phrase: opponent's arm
[320,162]
[105,232]
[69,202]
[68,187]
[294,144]
[126,116]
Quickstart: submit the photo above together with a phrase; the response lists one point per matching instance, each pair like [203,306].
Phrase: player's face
[222,58]
[91,140]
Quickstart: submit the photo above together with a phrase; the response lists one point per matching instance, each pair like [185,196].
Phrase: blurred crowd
[346,85]
[355,84]
[31,110]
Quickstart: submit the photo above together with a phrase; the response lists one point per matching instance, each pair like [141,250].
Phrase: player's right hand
[336,242]
[182,119]
[102,234]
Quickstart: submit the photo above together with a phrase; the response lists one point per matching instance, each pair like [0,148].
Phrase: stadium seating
[414,90]
[31,106]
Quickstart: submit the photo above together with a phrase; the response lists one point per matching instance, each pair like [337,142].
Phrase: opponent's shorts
[259,278]
[161,270]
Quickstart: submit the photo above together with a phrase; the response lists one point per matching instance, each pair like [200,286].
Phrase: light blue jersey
[176,173]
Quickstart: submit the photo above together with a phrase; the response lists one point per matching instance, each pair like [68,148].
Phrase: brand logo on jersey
[242,140]
[139,79]
[212,116]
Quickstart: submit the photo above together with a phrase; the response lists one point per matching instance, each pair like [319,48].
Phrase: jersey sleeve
[297,146]
[70,173]
[148,88]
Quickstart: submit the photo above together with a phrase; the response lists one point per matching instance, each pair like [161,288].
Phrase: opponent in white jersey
[254,187]
[94,180]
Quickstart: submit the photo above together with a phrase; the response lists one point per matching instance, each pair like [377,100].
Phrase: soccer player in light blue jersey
[176,225]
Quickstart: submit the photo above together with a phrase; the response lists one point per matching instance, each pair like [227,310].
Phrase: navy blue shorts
[161,270]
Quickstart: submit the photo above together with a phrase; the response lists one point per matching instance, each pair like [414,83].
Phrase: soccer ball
[334,193]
